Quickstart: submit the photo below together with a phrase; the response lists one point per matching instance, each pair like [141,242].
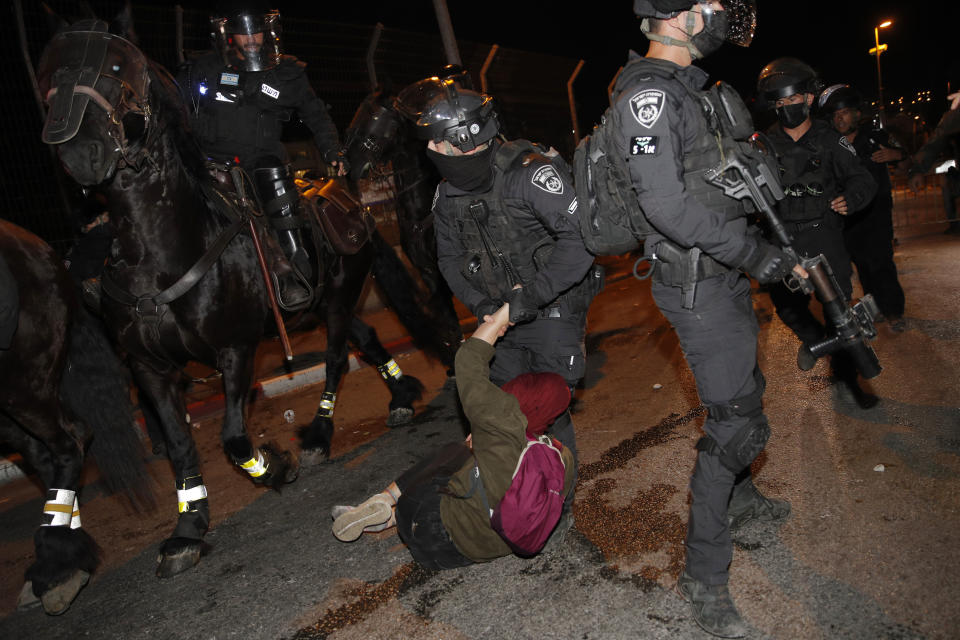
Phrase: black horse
[380,144]
[183,281]
[63,393]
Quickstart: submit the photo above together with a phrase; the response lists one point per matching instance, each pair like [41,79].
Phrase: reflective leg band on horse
[390,370]
[187,497]
[254,466]
[328,402]
[61,509]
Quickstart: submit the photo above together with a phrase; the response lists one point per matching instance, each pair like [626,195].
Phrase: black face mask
[792,116]
[472,172]
[713,34]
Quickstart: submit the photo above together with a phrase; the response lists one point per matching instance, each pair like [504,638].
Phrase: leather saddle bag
[345,222]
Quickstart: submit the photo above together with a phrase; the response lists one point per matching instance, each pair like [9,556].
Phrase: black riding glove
[522,307]
[486,308]
[768,264]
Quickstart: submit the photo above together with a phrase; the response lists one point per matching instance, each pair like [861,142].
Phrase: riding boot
[293,285]
[281,200]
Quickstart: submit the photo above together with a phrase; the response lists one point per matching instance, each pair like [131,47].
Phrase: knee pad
[743,448]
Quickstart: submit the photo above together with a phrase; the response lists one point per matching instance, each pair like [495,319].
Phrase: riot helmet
[247,34]
[785,77]
[440,110]
[839,96]
[734,22]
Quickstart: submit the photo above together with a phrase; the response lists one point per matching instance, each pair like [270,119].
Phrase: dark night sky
[832,36]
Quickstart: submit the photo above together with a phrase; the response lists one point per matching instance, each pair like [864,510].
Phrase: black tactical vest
[500,249]
[803,172]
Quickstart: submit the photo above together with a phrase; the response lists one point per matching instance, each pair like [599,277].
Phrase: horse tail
[95,389]
[403,296]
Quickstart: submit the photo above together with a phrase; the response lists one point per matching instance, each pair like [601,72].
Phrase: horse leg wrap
[256,466]
[189,494]
[328,401]
[61,509]
[390,369]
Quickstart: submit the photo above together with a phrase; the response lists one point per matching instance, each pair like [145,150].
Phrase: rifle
[744,174]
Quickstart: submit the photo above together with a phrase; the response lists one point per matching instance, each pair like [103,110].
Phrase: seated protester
[436,506]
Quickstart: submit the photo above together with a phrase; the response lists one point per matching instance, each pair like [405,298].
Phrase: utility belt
[677,267]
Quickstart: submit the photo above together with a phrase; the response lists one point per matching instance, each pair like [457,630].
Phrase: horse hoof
[27,599]
[399,417]
[313,457]
[57,599]
[177,558]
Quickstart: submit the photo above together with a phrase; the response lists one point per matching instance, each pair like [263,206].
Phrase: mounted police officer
[823,181]
[868,234]
[700,245]
[506,232]
[238,98]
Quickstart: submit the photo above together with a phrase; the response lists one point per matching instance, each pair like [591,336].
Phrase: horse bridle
[133,92]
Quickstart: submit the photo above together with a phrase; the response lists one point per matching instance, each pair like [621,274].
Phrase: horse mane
[169,108]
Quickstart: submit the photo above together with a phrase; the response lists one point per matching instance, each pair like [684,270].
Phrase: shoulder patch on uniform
[270,91]
[436,196]
[647,106]
[547,179]
[846,144]
[644,145]
[572,209]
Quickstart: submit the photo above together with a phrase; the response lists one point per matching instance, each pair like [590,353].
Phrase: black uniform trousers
[9,305]
[546,344]
[719,339]
[869,241]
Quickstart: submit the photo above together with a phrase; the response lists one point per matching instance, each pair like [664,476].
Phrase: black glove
[522,307]
[486,308]
[768,264]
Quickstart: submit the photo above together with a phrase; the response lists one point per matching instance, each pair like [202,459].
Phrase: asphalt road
[869,551]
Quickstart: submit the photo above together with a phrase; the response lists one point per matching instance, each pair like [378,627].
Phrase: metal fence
[530,88]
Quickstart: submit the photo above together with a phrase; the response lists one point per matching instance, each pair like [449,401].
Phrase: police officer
[238,98]
[506,232]
[868,234]
[823,181]
[944,142]
[701,241]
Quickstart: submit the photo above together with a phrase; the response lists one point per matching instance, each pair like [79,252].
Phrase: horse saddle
[344,221]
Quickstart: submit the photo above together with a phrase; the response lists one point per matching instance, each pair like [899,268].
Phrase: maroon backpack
[531,507]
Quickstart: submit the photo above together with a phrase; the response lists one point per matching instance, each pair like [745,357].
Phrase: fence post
[486,66]
[573,105]
[446,32]
[371,50]
[178,18]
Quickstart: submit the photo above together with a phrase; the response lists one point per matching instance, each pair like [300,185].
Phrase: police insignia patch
[230,79]
[847,145]
[644,145]
[270,91]
[547,179]
[647,106]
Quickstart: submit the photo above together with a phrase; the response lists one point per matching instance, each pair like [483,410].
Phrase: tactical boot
[805,358]
[293,290]
[747,503]
[713,609]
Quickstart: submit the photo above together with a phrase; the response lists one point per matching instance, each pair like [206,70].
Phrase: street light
[877,50]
